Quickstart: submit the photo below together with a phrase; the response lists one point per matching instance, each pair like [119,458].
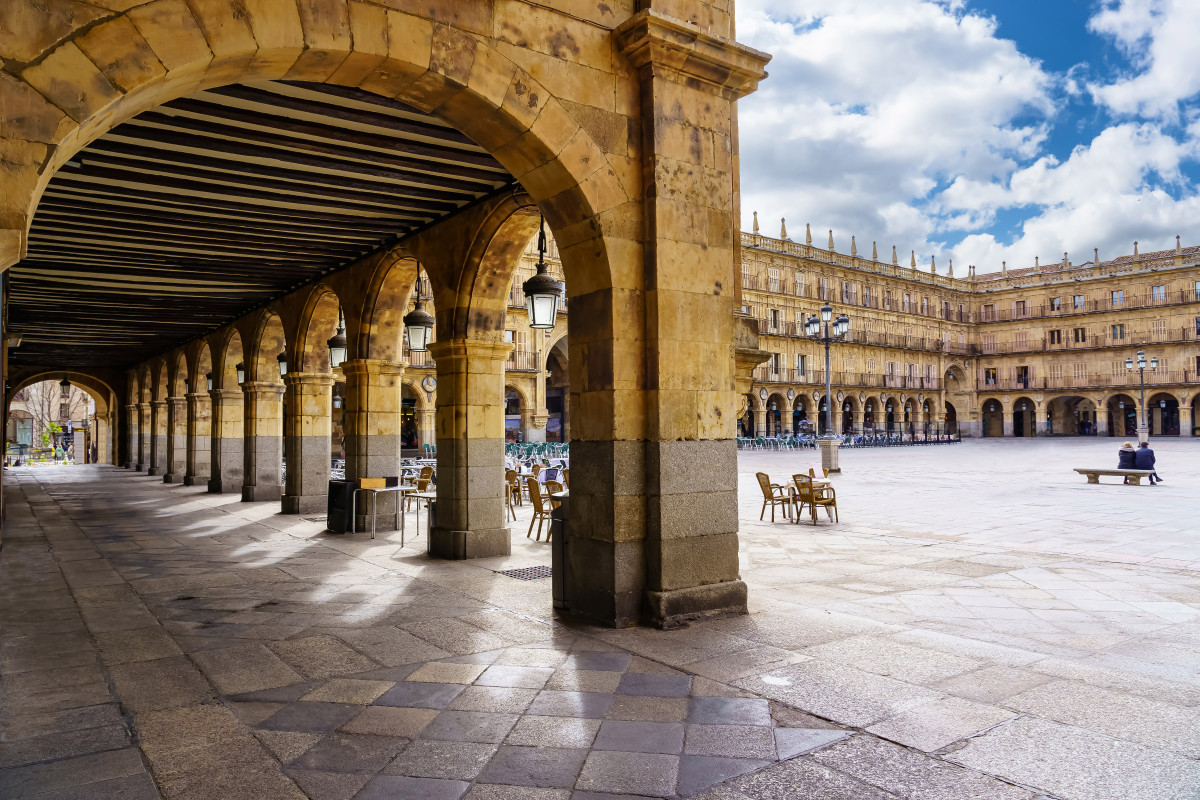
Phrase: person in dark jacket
[1144,459]
[1126,457]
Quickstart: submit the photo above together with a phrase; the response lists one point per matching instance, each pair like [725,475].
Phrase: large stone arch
[99,389]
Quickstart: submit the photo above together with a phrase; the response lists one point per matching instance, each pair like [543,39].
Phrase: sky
[975,130]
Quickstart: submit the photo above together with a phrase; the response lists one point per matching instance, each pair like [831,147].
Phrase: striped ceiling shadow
[199,210]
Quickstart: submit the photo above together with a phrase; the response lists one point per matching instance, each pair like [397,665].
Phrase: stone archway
[613,207]
[1162,411]
[992,418]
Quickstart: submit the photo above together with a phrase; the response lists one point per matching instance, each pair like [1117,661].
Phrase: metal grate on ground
[526,573]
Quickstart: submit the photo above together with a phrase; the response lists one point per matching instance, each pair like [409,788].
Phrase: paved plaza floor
[982,624]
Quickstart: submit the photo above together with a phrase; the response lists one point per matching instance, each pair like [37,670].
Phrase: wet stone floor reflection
[161,642]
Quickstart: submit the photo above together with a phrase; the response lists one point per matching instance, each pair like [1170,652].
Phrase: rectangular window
[989,313]
[887,299]
[776,359]
[1080,302]
[1056,304]
[1023,377]
[63,412]
[962,313]
[925,306]
[1118,297]
[1198,326]
[1056,372]
[1080,335]
[774,319]
[1055,337]
[508,336]
[1079,371]
[989,376]
[867,296]
[1020,340]
[1020,309]
[907,302]
[773,279]
[1118,332]
[801,365]
[823,288]
[989,343]
[1159,329]
[1158,293]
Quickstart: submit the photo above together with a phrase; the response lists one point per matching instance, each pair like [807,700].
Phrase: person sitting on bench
[1144,459]
[1126,457]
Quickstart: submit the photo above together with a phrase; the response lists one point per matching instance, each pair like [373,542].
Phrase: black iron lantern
[208,379]
[337,344]
[542,291]
[337,400]
[241,372]
[65,387]
[418,323]
[282,359]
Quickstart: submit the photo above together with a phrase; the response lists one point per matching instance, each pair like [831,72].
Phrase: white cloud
[1159,38]
[910,122]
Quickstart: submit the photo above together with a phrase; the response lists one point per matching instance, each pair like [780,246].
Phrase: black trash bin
[560,539]
[340,518]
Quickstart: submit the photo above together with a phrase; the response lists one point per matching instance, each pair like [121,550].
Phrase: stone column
[145,437]
[860,417]
[371,422]
[533,425]
[262,445]
[309,425]
[132,421]
[470,446]
[1185,418]
[760,422]
[198,444]
[158,444]
[426,427]
[1102,420]
[225,441]
[176,440]
[1156,427]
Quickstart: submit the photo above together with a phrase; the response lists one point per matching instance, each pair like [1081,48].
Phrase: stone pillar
[1185,419]
[158,444]
[760,422]
[132,422]
[470,446]
[533,425]
[145,437]
[225,441]
[1156,427]
[309,425]
[1102,420]
[426,427]
[371,422]
[176,440]
[1008,422]
[262,445]
[860,417]
[199,444]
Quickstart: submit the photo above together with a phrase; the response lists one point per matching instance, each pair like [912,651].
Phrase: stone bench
[1135,475]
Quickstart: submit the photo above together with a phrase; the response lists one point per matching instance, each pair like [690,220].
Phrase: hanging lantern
[337,400]
[282,359]
[337,344]
[542,291]
[65,386]
[241,372]
[208,378]
[418,324]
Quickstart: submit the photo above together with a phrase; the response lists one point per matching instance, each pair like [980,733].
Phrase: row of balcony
[865,380]
[1095,380]
[895,340]
[1069,307]
[1091,341]
[825,294]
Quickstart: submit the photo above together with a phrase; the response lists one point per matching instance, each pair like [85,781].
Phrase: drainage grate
[526,573]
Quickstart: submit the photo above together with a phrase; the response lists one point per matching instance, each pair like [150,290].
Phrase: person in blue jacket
[1126,457]
[1144,459]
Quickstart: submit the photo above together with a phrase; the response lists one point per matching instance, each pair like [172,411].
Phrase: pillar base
[140,467]
[678,607]
[829,454]
[218,486]
[195,480]
[256,494]
[172,477]
[304,504]
[458,545]
[1143,434]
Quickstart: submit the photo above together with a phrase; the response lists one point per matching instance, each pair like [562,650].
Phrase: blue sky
[978,130]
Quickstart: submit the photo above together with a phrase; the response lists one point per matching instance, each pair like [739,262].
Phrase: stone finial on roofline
[874,251]
[853,247]
[1096,255]
[912,261]
[783,228]
[1004,268]
[831,248]
[808,234]
[950,271]
[933,264]
[895,259]
[756,222]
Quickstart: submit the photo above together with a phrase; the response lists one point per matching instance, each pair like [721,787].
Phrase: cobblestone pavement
[162,642]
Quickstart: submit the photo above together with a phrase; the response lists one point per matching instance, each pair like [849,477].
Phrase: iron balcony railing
[1094,380]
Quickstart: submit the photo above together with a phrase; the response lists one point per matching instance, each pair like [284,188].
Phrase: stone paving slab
[323,667]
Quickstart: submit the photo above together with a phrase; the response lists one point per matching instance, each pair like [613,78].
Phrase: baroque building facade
[1023,352]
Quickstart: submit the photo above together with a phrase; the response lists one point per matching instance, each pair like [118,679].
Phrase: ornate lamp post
[1144,428]
[835,333]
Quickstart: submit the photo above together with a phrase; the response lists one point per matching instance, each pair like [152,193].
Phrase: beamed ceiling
[193,213]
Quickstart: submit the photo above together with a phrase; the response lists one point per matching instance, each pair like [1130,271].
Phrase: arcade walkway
[159,641]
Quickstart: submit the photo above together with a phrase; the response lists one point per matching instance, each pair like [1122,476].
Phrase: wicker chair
[541,508]
[813,496]
[513,479]
[773,495]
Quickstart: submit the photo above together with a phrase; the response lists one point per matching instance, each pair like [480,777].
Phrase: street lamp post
[1144,428]
[833,333]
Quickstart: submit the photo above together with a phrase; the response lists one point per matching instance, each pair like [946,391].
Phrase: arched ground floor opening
[1071,416]
[1163,412]
[1122,416]
[1024,414]
[992,419]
